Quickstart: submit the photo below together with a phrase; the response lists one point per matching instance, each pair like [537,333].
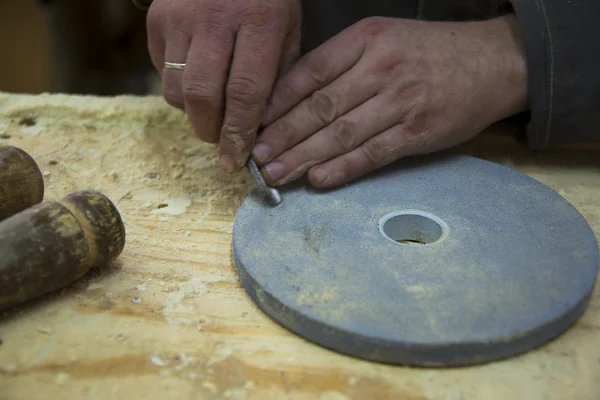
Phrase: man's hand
[389,88]
[233,51]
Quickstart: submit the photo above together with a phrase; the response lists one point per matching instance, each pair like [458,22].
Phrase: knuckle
[266,16]
[289,90]
[195,92]
[322,106]
[214,21]
[318,67]
[374,152]
[244,90]
[372,26]
[286,133]
[386,67]
[409,125]
[255,15]
[344,135]
[417,138]
[416,92]
[235,133]
[217,28]
[279,100]
[240,139]
[281,135]
[214,12]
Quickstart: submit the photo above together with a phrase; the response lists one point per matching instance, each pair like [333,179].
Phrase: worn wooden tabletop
[169,318]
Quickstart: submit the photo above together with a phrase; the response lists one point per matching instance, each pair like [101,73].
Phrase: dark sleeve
[323,19]
[562,45]
[143,4]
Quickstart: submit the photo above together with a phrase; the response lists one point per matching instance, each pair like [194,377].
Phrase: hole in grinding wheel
[413,228]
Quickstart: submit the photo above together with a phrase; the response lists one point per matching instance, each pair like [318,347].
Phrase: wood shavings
[129,136]
[159,362]
[176,206]
[8,368]
[141,288]
[175,311]
[332,395]
[235,394]
[62,378]
[45,330]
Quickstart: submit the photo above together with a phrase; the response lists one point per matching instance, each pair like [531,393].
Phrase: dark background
[74,46]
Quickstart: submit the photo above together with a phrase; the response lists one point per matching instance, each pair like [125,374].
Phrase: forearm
[563,61]
[507,64]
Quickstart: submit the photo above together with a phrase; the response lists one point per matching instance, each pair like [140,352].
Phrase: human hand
[233,51]
[388,88]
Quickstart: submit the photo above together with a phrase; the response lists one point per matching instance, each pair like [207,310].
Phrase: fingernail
[323,179]
[274,171]
[261,153]
[227,163]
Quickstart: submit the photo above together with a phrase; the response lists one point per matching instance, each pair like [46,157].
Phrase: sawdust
[177,206]
[331,395]
[317,299]
[159,362]
[175,310]
[172,167]
[62,378]
[141,288]
[106,345]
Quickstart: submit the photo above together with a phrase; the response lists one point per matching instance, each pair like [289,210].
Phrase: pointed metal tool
[270,193]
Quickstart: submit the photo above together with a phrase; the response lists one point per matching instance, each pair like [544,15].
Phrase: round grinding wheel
[443,260]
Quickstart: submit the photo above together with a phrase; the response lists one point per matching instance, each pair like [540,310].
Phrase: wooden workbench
[169,318]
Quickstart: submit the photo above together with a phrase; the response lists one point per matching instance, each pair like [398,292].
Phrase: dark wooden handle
[21,181]
[52,244]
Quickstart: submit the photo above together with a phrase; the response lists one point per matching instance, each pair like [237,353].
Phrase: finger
[175,51]
[205,76]
[350,90]
[156,43]
[253,70]
[312,72]
[341,137]
[376,152]
[291,52]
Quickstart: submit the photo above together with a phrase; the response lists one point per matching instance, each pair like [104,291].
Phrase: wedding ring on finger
[176,66]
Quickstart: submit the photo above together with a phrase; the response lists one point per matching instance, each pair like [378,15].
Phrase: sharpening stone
[443,260]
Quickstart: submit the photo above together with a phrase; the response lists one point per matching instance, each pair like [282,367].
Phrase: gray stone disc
[480,262]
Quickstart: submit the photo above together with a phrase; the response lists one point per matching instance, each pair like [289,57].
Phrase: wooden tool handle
[21,181]
[52,244]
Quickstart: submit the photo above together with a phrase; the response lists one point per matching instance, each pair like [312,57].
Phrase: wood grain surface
[169,319]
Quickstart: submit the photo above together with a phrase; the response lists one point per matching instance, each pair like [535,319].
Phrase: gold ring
[171,65]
